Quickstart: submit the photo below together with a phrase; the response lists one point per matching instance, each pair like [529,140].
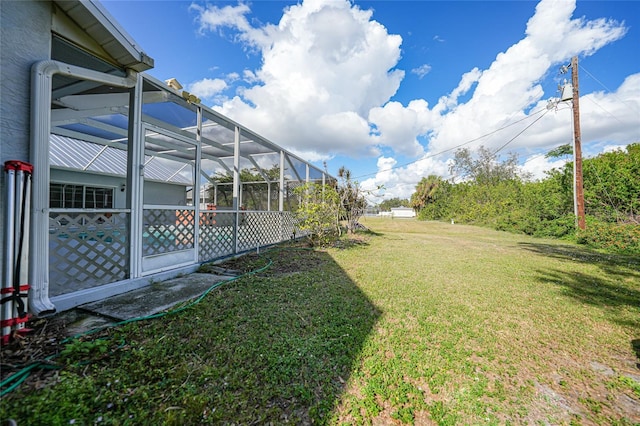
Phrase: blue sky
[390,88]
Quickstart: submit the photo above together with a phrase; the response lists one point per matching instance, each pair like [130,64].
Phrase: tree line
[489,192]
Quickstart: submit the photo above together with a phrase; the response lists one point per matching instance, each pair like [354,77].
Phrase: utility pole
[577,149]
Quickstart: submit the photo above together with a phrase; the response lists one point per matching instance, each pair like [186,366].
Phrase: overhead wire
[497,130]
[533,114]
[605,110]
[615,95]
[603,85]
[519,133]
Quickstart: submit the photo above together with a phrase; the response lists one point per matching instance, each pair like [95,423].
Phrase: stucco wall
[68,176]
[164,193]
[25,37]
[154,192]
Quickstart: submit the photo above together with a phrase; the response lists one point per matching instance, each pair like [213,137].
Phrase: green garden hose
[12,382]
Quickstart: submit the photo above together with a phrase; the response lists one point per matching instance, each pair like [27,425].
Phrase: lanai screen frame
[76,102]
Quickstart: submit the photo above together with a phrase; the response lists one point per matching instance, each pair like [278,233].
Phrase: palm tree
[351,198]
[426,191]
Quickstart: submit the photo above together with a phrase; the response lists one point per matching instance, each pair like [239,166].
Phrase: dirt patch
[275,262]
[42,343]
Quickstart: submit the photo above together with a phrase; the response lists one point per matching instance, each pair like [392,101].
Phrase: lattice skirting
[87,250]
[90,249]
[216,235]
[255,229]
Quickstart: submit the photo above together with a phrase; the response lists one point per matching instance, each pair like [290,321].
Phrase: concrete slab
[154,298]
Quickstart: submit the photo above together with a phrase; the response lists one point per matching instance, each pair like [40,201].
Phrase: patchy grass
[420,322]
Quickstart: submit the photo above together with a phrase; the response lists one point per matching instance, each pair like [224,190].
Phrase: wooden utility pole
[577,149]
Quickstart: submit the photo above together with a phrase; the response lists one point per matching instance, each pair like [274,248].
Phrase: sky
[390,89]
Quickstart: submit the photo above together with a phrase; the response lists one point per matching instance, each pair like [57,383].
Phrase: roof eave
[99,24]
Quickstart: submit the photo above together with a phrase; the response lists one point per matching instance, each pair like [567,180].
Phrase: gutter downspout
[41,84]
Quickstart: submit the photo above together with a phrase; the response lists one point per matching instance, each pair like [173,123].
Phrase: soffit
[89,25]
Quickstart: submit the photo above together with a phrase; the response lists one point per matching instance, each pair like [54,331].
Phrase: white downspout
[135,178]
[41,84]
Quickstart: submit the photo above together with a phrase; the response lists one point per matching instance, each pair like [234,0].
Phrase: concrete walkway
[154,298]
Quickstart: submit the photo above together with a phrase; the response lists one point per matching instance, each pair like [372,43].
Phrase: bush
[544,208]
[318,213]
[619,238]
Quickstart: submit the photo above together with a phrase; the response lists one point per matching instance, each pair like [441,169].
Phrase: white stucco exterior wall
[154,192]
[25,38]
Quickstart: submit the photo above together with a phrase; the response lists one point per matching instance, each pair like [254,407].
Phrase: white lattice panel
[257,229]
[216,235]
[167,230]
[87,250]
[289,228]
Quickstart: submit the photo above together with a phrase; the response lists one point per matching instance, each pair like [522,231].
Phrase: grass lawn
[419,322]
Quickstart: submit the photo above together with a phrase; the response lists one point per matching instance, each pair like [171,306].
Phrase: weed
[629,383]
[82,350]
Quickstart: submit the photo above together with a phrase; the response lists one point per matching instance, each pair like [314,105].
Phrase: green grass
[424,323]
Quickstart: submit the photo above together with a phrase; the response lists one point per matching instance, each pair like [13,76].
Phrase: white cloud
[613,148]
[207,88]
[249,76]
[511,84]
[537,165]
[324,66]
[329,72]
[401,181]
[613,117]
[213,18]
[510,88]
[422,70]
[399,126]
[466,82]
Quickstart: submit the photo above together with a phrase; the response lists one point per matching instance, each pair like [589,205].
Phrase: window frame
[88,195]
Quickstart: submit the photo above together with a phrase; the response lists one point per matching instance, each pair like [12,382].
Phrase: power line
[605,110]
[519,133]
[533,114]
[610,91]
[602,84]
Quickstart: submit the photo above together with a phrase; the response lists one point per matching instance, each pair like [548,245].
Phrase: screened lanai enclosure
[135,180]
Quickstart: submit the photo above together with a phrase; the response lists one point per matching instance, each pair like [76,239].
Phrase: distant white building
[402,212]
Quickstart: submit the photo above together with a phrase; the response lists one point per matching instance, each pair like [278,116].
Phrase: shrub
[620,238]
[318,213]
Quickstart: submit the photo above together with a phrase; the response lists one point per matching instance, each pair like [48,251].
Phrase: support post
[281,194]
[197,178]
[236,187]
[135,178]
[6,307]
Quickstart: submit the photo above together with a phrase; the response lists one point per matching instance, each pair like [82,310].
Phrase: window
[70,196]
